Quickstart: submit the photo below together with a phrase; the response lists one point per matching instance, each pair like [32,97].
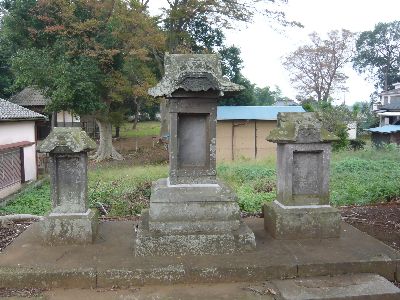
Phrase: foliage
[316,69]
[378,54]
[34,201]
[357,144]
[76,51]
[343,135]
[196,24]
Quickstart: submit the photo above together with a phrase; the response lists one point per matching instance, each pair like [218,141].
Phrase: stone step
[342,287]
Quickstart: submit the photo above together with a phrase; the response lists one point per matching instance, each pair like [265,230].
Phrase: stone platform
[110,260]
[192,219]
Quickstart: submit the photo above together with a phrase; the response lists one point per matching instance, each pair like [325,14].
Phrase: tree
[78,50]
[196,25]
[266,96]
[317,68]
[378,53]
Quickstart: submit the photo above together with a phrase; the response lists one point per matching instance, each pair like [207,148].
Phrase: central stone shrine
[192,212]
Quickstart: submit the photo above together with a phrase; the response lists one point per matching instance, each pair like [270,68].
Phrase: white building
[17,146]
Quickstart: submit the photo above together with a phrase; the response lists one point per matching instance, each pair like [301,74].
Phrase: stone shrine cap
[67,140]
[193,73]
[298,127]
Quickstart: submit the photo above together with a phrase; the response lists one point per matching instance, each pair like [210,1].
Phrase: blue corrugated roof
[385,129]
[254,112]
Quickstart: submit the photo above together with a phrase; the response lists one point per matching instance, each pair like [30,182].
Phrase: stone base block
[196,243]
[301,222]
[73,228]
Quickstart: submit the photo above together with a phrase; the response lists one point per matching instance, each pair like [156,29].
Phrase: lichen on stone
[67,139]
[300,127]
[193,73]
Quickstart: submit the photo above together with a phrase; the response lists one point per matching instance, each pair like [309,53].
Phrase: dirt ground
[382,221]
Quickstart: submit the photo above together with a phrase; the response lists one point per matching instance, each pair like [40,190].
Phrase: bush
[357,144]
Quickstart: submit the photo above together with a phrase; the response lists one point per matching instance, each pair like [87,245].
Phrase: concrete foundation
[192,219]
[69,228]
[301,222]
[109,262]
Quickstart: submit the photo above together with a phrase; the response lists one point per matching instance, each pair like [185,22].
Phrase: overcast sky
[263,47]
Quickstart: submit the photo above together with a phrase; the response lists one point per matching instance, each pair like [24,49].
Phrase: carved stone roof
[193,73]
[300,128]
[29,97]
[67,140]
[13,112]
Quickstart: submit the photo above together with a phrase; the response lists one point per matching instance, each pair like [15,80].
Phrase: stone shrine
[191,212]
[302,210]
[71,220]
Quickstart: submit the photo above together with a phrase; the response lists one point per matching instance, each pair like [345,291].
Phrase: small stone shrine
[302,210]
[191,212]
[71,221]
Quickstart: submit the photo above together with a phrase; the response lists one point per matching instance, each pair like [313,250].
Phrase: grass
[148,128]
[357,178]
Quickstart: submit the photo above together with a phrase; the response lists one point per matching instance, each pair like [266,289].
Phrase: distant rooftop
[29,97]
[12,112]
[385,129]
[254,112]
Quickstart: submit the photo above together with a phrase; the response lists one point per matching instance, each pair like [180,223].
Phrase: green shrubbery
[34,201]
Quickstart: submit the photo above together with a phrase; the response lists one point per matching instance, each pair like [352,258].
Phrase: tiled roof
[385,129]
[29,97]
[254,112]
[12,111]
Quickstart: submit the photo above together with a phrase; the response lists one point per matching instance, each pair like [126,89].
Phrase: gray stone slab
[69,228]
[353,286]
[189,241]
[113,263]
[296,222]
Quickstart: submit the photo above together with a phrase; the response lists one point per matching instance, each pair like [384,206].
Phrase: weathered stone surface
[191,212]
[354,286]
[302,209]
[70,220]
[192,242]
[296,127]
[67,139]
[69,228]
[301,223]
[192,72]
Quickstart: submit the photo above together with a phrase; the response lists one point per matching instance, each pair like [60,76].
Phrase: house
[18,160]
[34,100]
[388,112]
[242,131]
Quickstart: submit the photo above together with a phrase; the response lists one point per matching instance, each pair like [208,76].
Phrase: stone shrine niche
[307,174]
[192,140]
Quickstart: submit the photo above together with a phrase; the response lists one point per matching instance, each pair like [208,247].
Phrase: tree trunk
[106,149]
[117,132]
[164,118]
[137,108]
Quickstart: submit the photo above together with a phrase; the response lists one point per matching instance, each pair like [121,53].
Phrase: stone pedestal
[69,228]
[191,212]
[197,219]
[71,221]
[302,209]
